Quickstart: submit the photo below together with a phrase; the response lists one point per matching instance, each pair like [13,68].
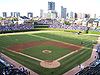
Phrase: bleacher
[90,70]
[45,21]
[15,27]
[94,67]
[9,69]
[68,27]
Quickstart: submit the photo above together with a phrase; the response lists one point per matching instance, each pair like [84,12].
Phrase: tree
[87,30]
[67,23]
[1,18]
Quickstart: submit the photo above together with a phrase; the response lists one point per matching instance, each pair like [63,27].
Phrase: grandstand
[94,67]
[7,68]
[15,27]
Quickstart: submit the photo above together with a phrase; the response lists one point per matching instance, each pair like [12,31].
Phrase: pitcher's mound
[50,64]
[46,51]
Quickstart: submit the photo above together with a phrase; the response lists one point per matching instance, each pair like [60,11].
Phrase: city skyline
[82,6]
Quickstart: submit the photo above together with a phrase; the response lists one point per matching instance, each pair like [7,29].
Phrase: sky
[24,6]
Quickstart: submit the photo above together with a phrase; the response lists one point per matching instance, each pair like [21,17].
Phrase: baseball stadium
[49,51]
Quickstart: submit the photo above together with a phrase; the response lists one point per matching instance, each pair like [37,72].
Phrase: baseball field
[48,52]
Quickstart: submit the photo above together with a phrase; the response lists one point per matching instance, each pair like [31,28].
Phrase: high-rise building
[87,15]
[18,14]
[41,13]
[63,12]
[52,15]
[11,14]
[51,5]
[15,14]
[71,14]
[95,16]
[79,15]
[30,15]
[83,15]
[4,14]
[75,15]
[67,15]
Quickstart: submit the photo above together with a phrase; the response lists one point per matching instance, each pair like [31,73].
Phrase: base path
[26,55]
[66,55]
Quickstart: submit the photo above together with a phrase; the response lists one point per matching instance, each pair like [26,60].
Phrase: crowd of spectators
[45,21]
[15,27]
[51,24]
[57,24]
[13,71]
[96,29]
[73,26]
[68,27]
[93,69]
[9,69]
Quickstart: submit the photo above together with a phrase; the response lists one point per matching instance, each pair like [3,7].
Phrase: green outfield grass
[17,39]
[94,32]
[69,38]
[61,36]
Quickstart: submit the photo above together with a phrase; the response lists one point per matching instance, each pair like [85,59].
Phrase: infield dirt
[19,47]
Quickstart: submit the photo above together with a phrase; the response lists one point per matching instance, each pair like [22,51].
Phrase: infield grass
[56,52]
